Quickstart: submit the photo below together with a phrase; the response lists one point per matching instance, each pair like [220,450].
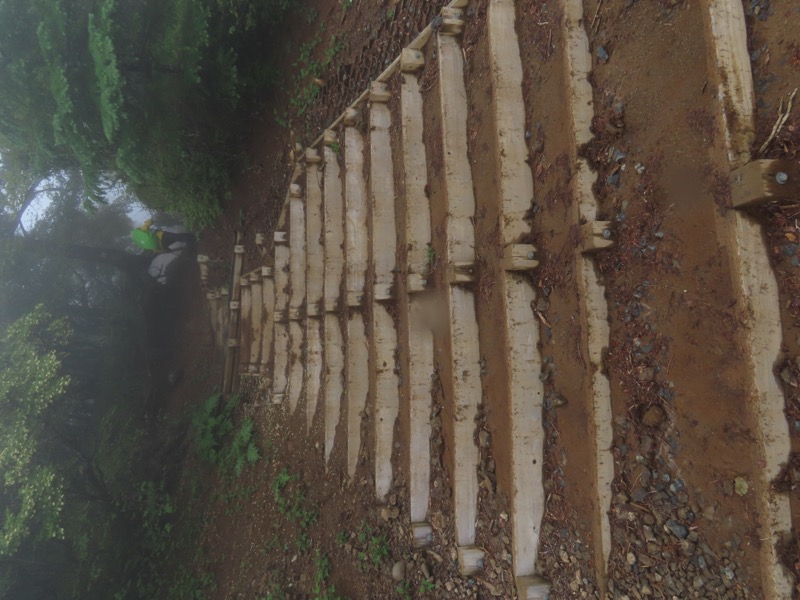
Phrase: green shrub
[219,441]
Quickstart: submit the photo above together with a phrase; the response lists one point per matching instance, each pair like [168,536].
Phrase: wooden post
[519,257]
[233,329]
[596,235]
[764,181]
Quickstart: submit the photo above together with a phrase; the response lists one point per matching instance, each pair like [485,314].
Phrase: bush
[219,441]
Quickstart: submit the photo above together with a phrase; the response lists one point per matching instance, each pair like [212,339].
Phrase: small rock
[631,558]
[490,587]
[727,487]
[654,416]
[740,486]
[618,155]
[677,529]
[399,570]
[602,54]
[639,167]
[390,512]
[483,438]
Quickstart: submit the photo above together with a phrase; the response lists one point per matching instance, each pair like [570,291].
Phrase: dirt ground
[681,438]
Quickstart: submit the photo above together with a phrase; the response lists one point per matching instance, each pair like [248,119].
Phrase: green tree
[30,381]
[144,89]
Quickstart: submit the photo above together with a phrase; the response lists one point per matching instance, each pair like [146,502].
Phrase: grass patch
[374,546]
[291,500]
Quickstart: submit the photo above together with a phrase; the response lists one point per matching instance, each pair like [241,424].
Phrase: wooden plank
[759,292]
[297,248]
[523,361]
[297,278]
[358,359]
[268,298]
[334,270]
[257,318]
[420,338]
[594,307]
[356,211]
[315,251]
[233,321]
[224,315]
[281,342]
[358,364]
[245,327]
[729,32]
[383,251]
[315,280]
[464,360]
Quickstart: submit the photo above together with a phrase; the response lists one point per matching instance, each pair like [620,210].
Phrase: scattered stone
[727,487]
[491,588]
[677,529]
[390,512]
[740,486]
[654,416]
[602,54]
[399,570]
[435,556]
[483,438]
[631,558]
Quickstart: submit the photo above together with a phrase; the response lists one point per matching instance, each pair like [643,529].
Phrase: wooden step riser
[268,297]
[383,252]
[759,290]
[420,338]
[523,361]
[281,343]
[594,310]
[315,280]
[358,368]
[464,359]
[333,392]
[334,373]
[356,240]
[297,277]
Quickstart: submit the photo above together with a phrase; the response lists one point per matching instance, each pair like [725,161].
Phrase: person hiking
[159,240]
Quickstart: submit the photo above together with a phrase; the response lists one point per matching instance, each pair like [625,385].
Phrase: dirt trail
[664,341]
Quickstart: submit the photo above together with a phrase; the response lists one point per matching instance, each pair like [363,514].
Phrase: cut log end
[470,560]
[532,588]
[422,535]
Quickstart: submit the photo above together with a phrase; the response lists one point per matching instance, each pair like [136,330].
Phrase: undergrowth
[220,441]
